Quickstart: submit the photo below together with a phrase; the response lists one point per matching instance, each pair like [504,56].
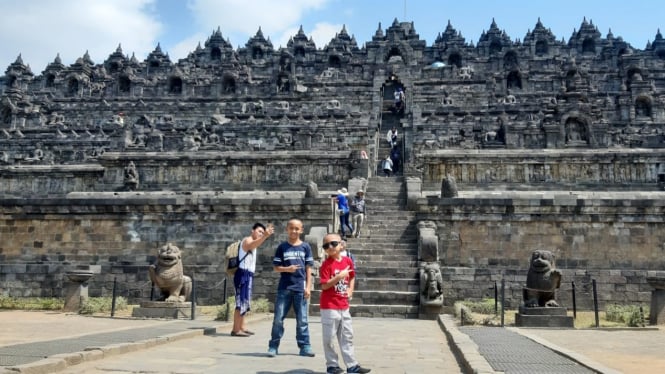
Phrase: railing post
[496,299]
[113,297]
[193,313]
[595,302]
[228,306]
[503,301]
[574,302]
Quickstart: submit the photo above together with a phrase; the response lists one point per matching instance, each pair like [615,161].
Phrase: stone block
[543,317]
[163,309]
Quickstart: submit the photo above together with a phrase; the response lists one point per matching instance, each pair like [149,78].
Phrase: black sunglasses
[331,244]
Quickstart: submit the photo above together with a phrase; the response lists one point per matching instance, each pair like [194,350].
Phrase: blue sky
[40,29]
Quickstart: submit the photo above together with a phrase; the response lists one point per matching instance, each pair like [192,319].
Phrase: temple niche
[576,132]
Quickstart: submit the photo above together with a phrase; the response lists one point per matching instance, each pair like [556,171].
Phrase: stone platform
[163,309]
[543,317]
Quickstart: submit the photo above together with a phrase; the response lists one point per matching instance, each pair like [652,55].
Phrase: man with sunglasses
[337,282]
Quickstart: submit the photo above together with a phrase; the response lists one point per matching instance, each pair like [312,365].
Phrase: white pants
[337,324]
[357,220]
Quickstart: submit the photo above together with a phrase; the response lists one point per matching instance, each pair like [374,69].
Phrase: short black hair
[257,225]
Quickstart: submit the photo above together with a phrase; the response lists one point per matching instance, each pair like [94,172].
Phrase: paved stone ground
[625,350]
[509,352]
[385,345]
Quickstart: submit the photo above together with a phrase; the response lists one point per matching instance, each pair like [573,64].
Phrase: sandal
[248,332]
[239,333]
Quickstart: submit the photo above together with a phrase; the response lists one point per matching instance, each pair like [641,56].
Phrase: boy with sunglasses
[337,281]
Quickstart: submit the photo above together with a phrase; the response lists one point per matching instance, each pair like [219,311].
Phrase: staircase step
[362,258]
[376,311]
[386,255]
[382,250]
[402,284]
[377,297]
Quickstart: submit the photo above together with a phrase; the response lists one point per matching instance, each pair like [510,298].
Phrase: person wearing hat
[344,211]
[358,212]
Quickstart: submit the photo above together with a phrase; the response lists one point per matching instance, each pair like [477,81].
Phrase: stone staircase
[388,121]
[386,255]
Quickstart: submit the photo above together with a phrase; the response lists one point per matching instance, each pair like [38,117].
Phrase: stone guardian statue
[167,275]
[542,280]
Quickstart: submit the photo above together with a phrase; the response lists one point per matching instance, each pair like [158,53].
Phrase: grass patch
[96,305]
[260,305]
[482,313]
[631,315]
[31,303]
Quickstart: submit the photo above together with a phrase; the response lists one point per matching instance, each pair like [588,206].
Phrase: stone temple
[546,144]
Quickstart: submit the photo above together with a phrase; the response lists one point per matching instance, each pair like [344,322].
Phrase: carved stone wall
[539,113]
[618,241]
[542,170]
[614,286]
[118,234]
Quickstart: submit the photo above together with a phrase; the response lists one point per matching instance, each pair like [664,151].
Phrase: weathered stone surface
[548,134]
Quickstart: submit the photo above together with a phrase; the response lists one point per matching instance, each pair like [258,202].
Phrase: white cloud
[40,29]
[243,17]
[323,33]
[184,47]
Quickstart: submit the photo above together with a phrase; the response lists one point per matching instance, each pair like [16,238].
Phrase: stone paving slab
[30,352]
[510,352]
[386,345]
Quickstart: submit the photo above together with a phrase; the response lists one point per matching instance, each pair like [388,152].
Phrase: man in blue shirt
[294,261]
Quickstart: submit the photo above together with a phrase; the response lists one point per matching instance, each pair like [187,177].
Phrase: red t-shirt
[335,297]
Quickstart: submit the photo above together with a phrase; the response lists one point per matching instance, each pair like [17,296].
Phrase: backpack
[232,262]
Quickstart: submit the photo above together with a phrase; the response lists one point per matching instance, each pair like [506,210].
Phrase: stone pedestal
[657,312]
[543,317]
[76,289]
[163,309]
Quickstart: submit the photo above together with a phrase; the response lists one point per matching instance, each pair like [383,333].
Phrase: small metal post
[228,306]
[224,293]
[574,303]
[595,302]
[113,296]
[462,316]
[193,313]
[152,291]
[496,299]
[503,300]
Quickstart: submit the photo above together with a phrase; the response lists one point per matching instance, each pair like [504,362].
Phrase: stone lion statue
[542,280]
[431,284]
[168,277]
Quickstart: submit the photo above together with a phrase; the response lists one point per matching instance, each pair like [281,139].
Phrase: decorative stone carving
[131,177]
[428,242]
[431,284]
[413,191]
[448,187]
[312,190]
[167,275]
[542,280]
[657,310]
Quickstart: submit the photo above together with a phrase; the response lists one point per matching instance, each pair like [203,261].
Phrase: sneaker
[334,370]
[272,352]
[307,351]
[358,369]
